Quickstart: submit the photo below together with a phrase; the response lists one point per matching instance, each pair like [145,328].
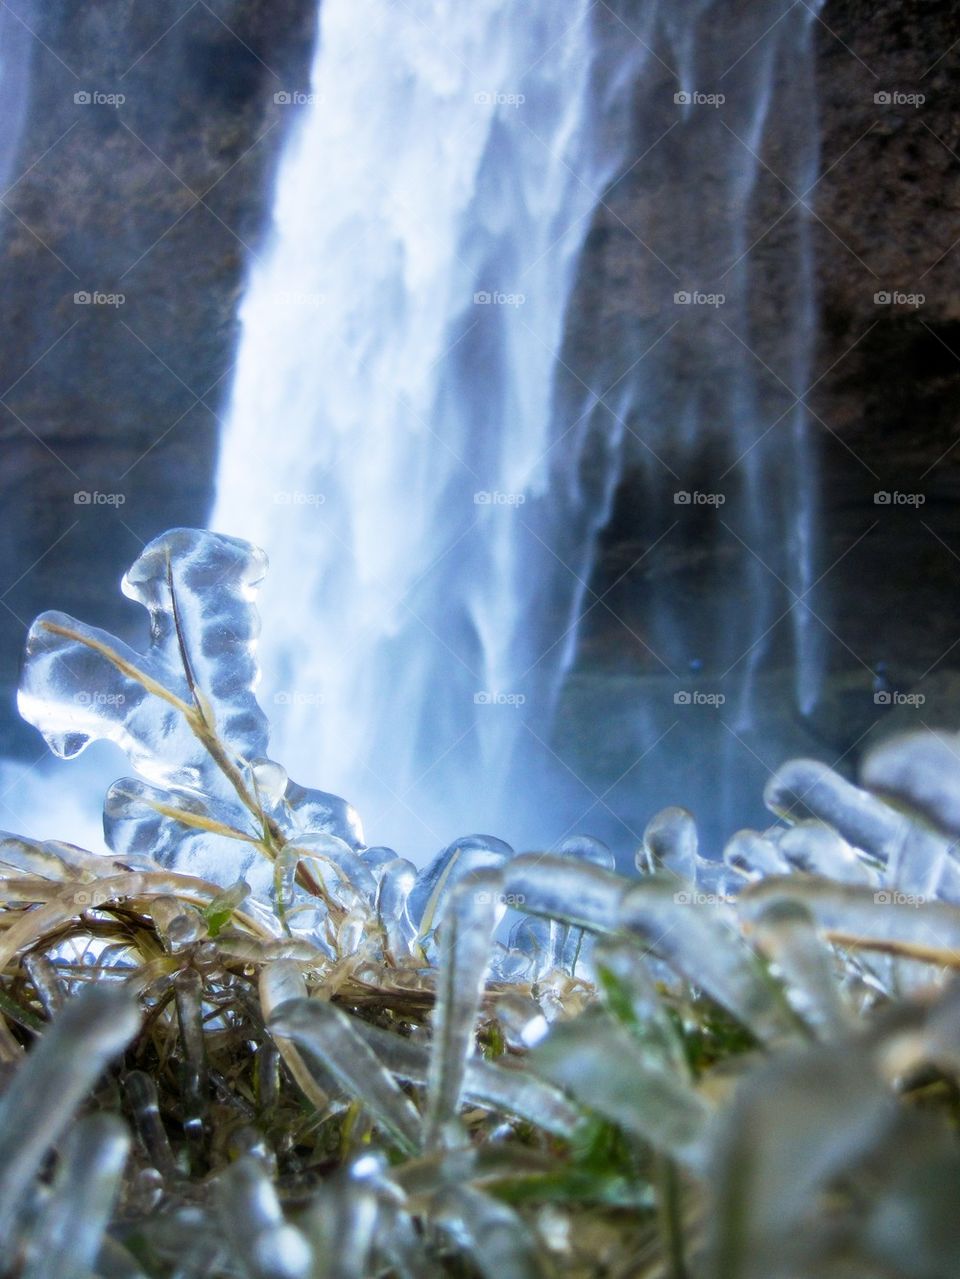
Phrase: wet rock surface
[883,390]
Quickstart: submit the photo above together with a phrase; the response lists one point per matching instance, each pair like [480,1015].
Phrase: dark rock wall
[885,397]
[162,198]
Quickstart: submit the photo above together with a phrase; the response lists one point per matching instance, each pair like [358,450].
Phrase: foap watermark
[96,98]
[896,98]
[498,298]
[693,897]
[884,698]
[694,297]
[893,897]
[499,99]
[300,300]
[296,98]
[485,698]
[96,298]
[500,899]
[91,896]
[488,497]
[287,697]
[99,699]
[686,697]
[896,297]
[83,497]
[895,498]
[693,98]
[294,497]
[684,497]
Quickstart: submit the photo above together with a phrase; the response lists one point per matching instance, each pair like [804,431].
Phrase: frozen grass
[245,1044]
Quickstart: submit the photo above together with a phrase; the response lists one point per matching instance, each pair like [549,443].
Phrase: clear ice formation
[208,802]
[794,930]
[184,712]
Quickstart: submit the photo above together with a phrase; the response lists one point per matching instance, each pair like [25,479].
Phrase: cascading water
[15,54]
[719,405]
[398,441]
[394,443]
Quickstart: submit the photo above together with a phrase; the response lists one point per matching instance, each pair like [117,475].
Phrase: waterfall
[15,54]
[415,446]
[393,441]
[720,408]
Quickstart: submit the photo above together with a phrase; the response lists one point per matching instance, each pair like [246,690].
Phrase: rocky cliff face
[163,199]
[137,200]
[883,391]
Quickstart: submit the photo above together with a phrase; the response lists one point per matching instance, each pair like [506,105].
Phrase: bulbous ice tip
[920,771]
[199,558]
[670,841]
[588,849]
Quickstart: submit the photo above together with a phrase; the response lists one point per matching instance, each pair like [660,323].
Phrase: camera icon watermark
[84,698]
[485,298]
[484,898]
[287,697]
[83,497]
[684,497]
[693,897]
[895,98]
[486,497]
[295,98]
[889,698]
[885,497]
[893,897]
[693,98]
[90,897]
[497,99]
[300,300]
[84,298]
[896,297]
[696,297]
[687,697]
[295,497]
[95,98]
[487,698]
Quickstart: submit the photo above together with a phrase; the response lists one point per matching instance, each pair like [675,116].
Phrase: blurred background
[589,372]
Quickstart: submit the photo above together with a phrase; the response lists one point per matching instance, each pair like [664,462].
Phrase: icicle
[561,888]
[603,1066]
[466,929]
[884,919]
[490,1232]
[45,981]
[921,771]
[53,1080]
[567,944]
[260,1240]
[281,981]
[701,941]
[326,1032]
[188,989]
[814,847]
[631,995]
[67,1238]
[141,1094]
[397,879]
[753,855]
[785,932]
[486,1084]
[469,853]
[805,788]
